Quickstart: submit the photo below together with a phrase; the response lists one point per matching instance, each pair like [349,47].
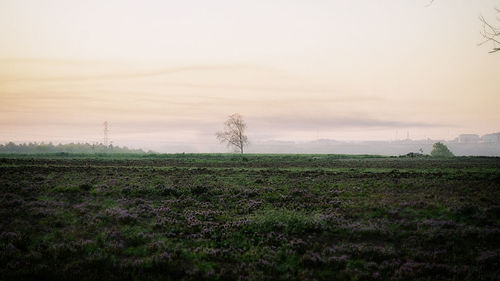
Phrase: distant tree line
[33,147]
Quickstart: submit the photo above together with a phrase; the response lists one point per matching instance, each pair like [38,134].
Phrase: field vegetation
[251,217]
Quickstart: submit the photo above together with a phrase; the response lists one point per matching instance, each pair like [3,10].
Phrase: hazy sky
[168,73]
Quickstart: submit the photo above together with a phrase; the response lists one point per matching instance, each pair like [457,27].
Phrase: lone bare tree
[234,132]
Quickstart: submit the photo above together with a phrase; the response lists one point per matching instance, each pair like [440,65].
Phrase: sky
[167,74]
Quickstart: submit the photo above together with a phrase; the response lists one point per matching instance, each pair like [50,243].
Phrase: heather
[253,217]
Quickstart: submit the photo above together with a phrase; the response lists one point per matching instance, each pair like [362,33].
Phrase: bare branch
[490,33]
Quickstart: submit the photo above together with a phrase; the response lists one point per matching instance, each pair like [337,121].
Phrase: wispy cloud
[312,123]
[230,77]
[49,61]
[124,75]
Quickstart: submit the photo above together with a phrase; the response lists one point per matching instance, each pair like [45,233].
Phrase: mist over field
[166,75]
[250,140]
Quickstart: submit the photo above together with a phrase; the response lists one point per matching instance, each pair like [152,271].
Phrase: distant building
[468,138]
[491,138]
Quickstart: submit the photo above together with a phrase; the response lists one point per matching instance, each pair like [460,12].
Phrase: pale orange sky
[170,72]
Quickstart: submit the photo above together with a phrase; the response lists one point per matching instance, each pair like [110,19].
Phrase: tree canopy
[234,132]
[440,150]
[31,148]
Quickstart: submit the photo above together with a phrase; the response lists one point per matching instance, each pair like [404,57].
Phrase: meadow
[253,217]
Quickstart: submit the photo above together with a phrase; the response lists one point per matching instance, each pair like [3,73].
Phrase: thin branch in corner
[494,50]
[490,33]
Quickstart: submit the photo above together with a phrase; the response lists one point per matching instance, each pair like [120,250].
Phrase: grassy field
[257,217]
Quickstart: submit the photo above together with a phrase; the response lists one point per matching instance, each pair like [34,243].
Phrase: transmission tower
[106,130]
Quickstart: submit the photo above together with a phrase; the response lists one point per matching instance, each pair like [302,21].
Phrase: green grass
[260,217]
